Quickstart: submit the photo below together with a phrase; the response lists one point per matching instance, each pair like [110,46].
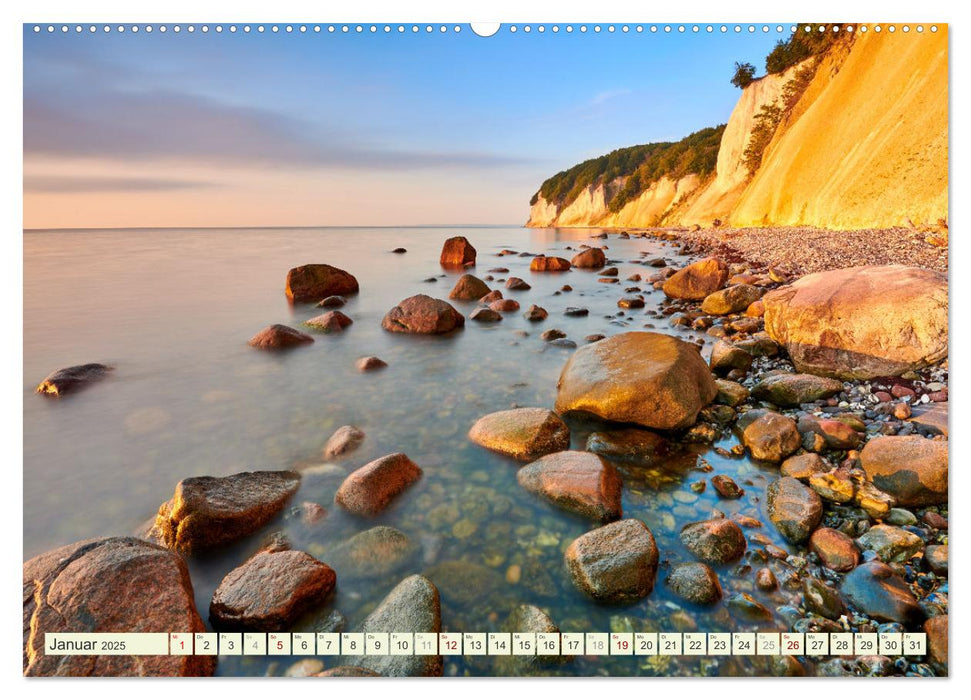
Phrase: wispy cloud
[607,95]
[72,183]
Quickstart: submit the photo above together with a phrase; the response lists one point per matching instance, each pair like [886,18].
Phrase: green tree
[744,75]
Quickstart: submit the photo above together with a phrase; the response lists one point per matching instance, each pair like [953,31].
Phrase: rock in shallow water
[468,288]
[719,540]
[345,439]
[731,299]
[373,553]
[591,258]
[698,280]
[369,490]
[270,591]
[910,468]
[531,620]
[541,263]
[793,508]
[632,445]
[457,252]
[795,389]
[117,584]
[521,433]
[279,337]
[616,563]
[369,364]
[70,379]
[836,550]
[316,281]
[330,322]
[875,590]
[209,511]
[769,436]
[423,315]
[695,582]
[579,482]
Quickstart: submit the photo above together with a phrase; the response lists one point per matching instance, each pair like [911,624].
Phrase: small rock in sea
[279,337]
[541,263]
[551,334]
[345,440]
[591,258]
[468,288]
[457,252]
[563,343]
[576,311]
[746,608]
[312,513]
[726,487]
[370,489]
[423,315]
[530,620]
[875,590]
[485,315]
[610,272]
[821,599]
[631,303]
[698,280]
[630,445]
[330,322]
[522,433]
[270,591]
[608,280]
[209,511]
[399,251]
[616,563]
[492,296]
[891,544]
[769,436]
[70,379]
[835,549]
[499,270]
[312,282]
[332,302]
[730,393]
[535,313]
[580,482]
[430,279]
[695,582]
[517,284]
[566,288]
[504,305]
[793,508]
[370,363]
[719,540]
[765,580]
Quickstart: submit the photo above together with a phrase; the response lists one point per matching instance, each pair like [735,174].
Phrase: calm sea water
[172,311]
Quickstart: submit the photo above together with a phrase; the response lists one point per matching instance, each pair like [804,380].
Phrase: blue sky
[339,129]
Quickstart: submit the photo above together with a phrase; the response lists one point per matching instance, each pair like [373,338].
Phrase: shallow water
[172,310]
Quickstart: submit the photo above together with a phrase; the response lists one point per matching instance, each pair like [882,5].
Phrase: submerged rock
[457,252]
[369,490]
[270,591]
[910,468]
[650,379]
[580,482]
[71,379]
[521,433]
[314,282]
[719,540]
[332,302]
[793,508]
[535,313]
[279,337]
[531,620]
[210,511]
[862,322]
[345,439]
[370,363]
[616,563]
[374,553]
[630,445]
[330,322]
[698,280]
[468,288]
[795,389]
[875,590]
[424,315]
[116,584]
[695,582]
[541,263]
[517,284]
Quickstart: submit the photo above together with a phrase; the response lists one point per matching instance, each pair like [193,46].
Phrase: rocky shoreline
[853,419]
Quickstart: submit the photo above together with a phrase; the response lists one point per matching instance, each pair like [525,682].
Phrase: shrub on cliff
[744,75]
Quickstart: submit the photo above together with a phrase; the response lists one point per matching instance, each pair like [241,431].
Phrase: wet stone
[616,563]
[719,540]
[695,582]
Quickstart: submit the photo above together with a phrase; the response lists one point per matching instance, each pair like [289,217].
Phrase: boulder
[345,439]
[804,466]
[330,322]
[209,511]
[116,584]
[719,540]
[616,563]
[579,482]
[793,508]
[891,544]
[835,550]
[770,436]
[650,379]
[862,322]
[314,282]
[516,284]
[369,490]
[592,258]
[504,305]
[875,590]
[423,314]
[631,445]
[731,300]
[521,433]
[697,281]
[70,379]
[910,468]
[468,288]
[412,606]
[375,553]
[725,357]
[270,591]
[936,630]
[730,393]
[535,313]
[485,315]
[541,263]
[695,582]
[795,389]
[457,252]
[370,363]
[279,337]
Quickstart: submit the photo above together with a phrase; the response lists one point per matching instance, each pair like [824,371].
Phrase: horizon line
[253,228]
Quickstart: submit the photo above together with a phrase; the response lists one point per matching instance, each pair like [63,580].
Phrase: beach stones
[521,433]
[795,509]
[891,544]
[504,305]
[330,322]
[726,487]
[616,563]
[411,606]
[71,379]
[730,393]
[579,482]
[345,439]
[835,550]
[631,303]
[731,300]
[822,599]
[725,357]
[468,288]
[210,511]
[936,630]
[875,590]
[535,313]
[369,490]
[592,258]
[796,389]
[861,322]
[530,620]
[695,582]
[630,445]
[116,584]
[314,282]
[332,302]
[279,337]
[457,252]
[485,315]
[516,284]
[369,364]
[650,379]
[541,263]
[270,591]
[697,281]
[719,540]
[374,553]
[769,436]
[910,468]
[423,315]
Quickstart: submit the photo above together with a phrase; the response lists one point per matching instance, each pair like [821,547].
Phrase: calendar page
[496,350]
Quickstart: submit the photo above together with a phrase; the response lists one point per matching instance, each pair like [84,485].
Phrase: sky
[319,129]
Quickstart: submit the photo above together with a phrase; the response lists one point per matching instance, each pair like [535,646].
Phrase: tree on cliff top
[744,75]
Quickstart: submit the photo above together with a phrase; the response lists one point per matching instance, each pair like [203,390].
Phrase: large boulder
[70,379]
[270,591]
[719,540]
[616,563]
[731,300]
[592,258]
[795,389]
[279,337]
[651,379]
[522,433]
[580,482]
[457,252]
[697,281]
[314,282]
[412,606]
[861,322]
[910,468]
[118,584]
[875,590]
[209,511]
[795,509]
[541,263]
[423,314]
[369,490]
[468,288]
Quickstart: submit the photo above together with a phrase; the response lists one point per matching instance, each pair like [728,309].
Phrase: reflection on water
[172,311]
